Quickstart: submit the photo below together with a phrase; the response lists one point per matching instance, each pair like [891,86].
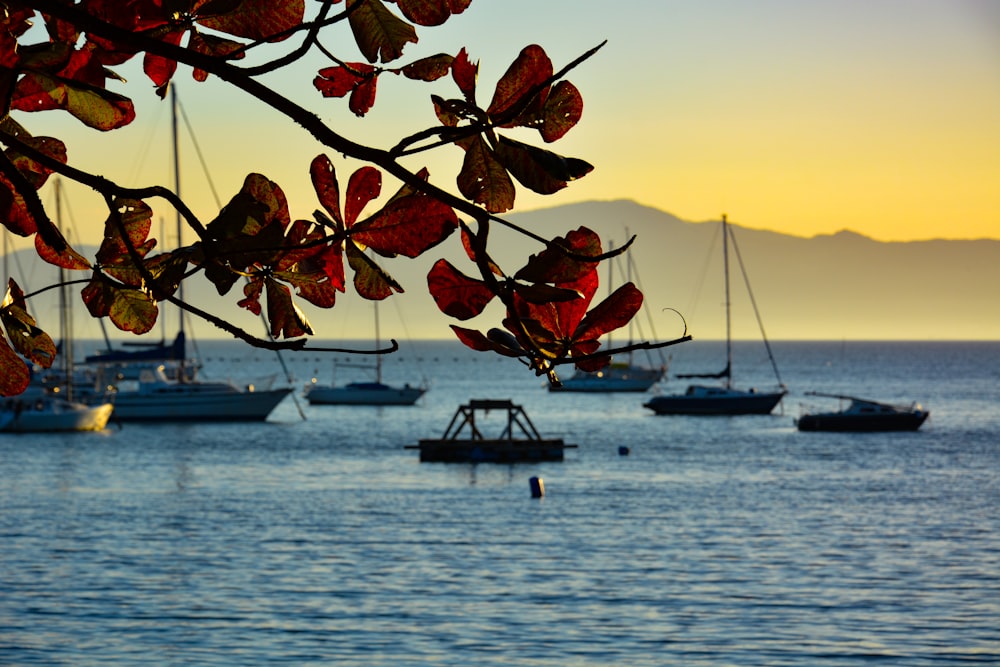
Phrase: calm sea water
[716,541]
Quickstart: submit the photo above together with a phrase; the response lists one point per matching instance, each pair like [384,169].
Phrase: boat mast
[177,190]
[611,279]
[65,324]
[729,330]
[378,357]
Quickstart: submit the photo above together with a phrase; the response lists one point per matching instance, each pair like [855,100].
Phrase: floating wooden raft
[464,442]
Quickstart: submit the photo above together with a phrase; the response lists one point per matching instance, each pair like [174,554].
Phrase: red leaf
[364,185]
[363,96]
[456,294]
[159,69]
[431,12]
[251,293]
[613,313]
[67,258]
[553,265]
[270,194]
[324,179]
[531,68]
[14,211]
[14,375]
[258,19]
[562,318]
[339,80]
[464,73]
[407,226]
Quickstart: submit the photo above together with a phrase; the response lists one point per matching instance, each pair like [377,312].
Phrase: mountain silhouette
[842,286]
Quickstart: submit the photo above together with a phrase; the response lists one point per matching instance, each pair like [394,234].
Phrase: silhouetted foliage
[253,238]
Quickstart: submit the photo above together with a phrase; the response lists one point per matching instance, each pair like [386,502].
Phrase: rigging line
[756,312]
[201,156]
[147,142]
[700,283]
[409,337]
[649,316]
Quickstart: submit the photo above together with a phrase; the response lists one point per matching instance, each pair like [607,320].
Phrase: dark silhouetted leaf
[378,32]
[539,294]
[537,169]
[431,12]
[285,317]
[484,180]
[563,109]
[256,19]
[481,343]
[217,47]
[431,68]
[370,280]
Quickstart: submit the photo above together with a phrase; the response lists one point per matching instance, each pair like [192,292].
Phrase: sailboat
[365,393]
[154,396]
[44,409]
[618,376]
[726,399]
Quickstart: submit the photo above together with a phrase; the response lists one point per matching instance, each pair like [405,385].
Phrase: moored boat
[156,398]
[726,399]
[864,415]
[40,412]
[364,393]
[617,377]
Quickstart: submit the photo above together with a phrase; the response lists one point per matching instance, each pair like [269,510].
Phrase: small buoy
[537,487]
[623,451]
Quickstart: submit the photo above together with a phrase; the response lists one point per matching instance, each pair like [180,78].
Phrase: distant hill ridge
[842,286]
[833,286]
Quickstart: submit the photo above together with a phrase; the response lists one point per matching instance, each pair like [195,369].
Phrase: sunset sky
[806,118]
[801,117]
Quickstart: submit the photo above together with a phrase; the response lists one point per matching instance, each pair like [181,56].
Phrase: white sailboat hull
[195,402]
[55,415]
[612,379]
[363,393]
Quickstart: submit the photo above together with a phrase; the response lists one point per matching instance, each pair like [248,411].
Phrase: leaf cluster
[253,240]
